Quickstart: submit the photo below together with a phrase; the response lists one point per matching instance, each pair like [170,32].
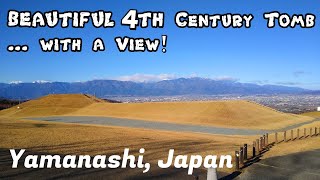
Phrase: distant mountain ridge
[181,86]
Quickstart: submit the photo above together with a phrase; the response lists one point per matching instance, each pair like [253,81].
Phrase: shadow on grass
[231,176]
[249,162]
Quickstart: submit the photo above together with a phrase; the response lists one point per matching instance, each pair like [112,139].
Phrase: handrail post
[237,160]
[267,139]
[254,149]
[241,155]
[245,151]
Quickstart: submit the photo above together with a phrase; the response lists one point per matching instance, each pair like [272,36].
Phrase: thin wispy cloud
[260,82]
[15,82]
[161,77]
[146,77]
[288,83]
[225,78]
[41,81]
[300,73]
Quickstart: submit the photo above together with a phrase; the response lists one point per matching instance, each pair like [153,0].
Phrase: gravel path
[160,125]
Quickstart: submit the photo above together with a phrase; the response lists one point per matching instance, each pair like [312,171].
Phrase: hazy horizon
[142,78]
[257,54]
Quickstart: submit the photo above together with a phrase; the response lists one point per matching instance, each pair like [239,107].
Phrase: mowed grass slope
[315,114]
[57,104]
[232,114]
[64,138]
[67,138]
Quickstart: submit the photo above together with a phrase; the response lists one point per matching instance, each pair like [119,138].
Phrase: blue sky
[260,55]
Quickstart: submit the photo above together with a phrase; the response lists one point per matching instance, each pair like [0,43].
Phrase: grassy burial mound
[232,114]
[315,114]
[56,104]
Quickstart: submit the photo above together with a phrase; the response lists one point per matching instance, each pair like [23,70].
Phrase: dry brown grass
[302,145]
[315,114]
[56,104]
[63,138]
[295,134]
[231,114]
[91,139]
[299,143]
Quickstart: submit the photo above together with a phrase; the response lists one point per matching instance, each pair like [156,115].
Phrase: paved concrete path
[160,125]
[298,166]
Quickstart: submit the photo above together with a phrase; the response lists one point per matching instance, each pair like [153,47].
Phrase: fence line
[260,146]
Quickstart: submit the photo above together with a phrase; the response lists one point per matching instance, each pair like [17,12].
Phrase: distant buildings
[286,103]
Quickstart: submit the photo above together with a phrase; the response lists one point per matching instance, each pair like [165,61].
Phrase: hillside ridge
[53,104]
